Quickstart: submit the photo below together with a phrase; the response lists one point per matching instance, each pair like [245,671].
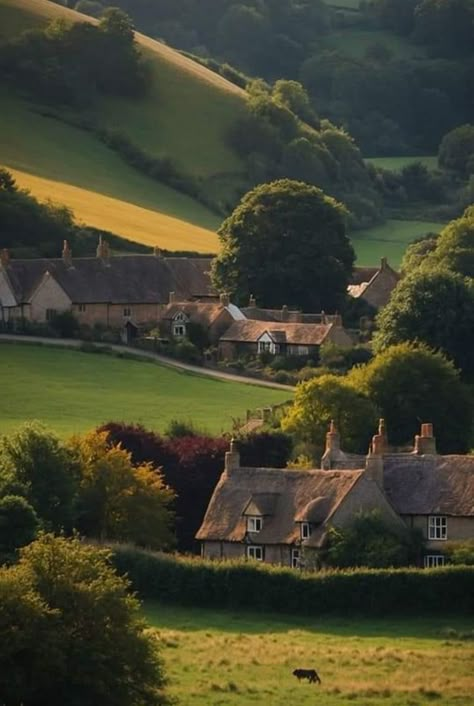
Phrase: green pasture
[396,164]
[235,659]
[72,391]
[389,240]
[352,41]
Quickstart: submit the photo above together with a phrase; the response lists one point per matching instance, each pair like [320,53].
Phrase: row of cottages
[110,290]
[278,515]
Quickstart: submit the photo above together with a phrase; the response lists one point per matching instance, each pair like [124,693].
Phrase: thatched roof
[300,334]
[203,313]
[118,279]
[290,491]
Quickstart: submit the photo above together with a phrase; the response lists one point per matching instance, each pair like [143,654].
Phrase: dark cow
[310,674]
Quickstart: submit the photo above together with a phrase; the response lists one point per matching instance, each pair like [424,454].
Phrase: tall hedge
[229,584]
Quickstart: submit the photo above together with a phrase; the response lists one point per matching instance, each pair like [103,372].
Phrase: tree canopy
[285,243]
[433,306]
[456,150]
[72,633]
[411,384]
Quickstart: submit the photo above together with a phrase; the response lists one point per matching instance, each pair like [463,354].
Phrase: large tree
[72,633]
[435,307]
[456,150]
[455,246]
[411,384]
[285,243]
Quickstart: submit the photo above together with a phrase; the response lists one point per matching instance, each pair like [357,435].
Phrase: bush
[244,584]
[65,324]
[267,449]
[461,552]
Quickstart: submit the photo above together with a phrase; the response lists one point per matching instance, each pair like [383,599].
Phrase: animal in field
[310,674]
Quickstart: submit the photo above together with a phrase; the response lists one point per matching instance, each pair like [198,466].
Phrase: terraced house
[277,515]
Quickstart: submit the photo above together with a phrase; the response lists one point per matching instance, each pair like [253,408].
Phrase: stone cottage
[213,317]
[374,285]
[272,515]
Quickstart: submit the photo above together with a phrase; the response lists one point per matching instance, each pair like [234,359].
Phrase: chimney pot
[157,251]
[102,251]
[333,448]
[172,297]
[232,457]
[425,442]
[224,299]
[4,257]
[284,313]
[67,254]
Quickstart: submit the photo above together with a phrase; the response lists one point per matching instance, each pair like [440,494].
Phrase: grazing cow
[310,674]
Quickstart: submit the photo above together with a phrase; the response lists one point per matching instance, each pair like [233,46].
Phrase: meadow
[389,240]
[215,658]
[72,391]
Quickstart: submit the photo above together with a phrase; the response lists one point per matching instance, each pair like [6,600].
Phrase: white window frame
[255,552]
[127,312]
[431,561]
[254,523]
[437,527]
[179,330]
[180,316]
[295,558]
[305,530]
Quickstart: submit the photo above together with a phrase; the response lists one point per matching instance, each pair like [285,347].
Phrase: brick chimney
[374,459]
[171,297]
[425,443]
[4,257]
[103,249]
[333,448]
[252,301]
[232,458]
[284,313]
[224,299]
[67,254]
[383,263]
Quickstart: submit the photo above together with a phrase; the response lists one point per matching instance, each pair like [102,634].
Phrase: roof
[290,491]
[256,313]
[117,279]
[250,331]
[204,313]
[429,485]
[365,277]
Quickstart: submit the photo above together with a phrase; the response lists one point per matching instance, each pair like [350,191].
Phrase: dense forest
[413,82]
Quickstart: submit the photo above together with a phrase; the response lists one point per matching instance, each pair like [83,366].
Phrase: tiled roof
[301,334]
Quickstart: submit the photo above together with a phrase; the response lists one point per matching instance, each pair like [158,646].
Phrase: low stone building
[250,337]
[273,515]
[110,290]
[213,317]
[374,285]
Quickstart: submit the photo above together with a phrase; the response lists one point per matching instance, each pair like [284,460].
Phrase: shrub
[270,449]
[460,552]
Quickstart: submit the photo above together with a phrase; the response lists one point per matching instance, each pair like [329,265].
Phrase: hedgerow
[240,584]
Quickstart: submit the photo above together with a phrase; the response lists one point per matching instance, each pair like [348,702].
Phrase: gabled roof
[303,334]
[118,279]
[363,278]
[261,504]
[225,517]
[203,313]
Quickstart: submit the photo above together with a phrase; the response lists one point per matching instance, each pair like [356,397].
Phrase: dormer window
[181,316]
[305,530]
[254,524]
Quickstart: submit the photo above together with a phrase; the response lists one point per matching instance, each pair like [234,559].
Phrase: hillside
[184,116]
[85,390]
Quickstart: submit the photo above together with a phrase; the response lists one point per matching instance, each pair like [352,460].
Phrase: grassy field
[73,391]
[397,163]
[225,659]
[351,41]
[389,240]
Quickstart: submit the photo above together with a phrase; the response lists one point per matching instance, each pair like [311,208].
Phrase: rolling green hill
[73,391]
[184,116]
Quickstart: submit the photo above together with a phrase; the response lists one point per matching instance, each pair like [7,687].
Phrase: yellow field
[139,224]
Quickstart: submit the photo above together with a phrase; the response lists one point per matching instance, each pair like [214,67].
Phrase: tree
[456,150]
[327,398]
[35,464]
[72,633]
[417,252]
[435,307]
[292,95]
[120,501]
[285,243]
[411,384]
[18,525]
[455,246]
[369,541]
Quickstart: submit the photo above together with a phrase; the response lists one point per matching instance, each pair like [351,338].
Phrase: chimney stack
[224,299]
[425,443]
[172,298]
[374,459]
[252,301]
[232,458]
[157,251]
[333,448]
[67,254]
[4,257]
[383,263]
[103,249]
[284,313]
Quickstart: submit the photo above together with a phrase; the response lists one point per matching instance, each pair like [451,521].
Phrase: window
[437,527]
[50,314]
[433,560]
[255,552]
[265,347]
[82,308]
[180,317]
[295,558]
[127,311]
[305,530]
[254,524]
[179,330]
